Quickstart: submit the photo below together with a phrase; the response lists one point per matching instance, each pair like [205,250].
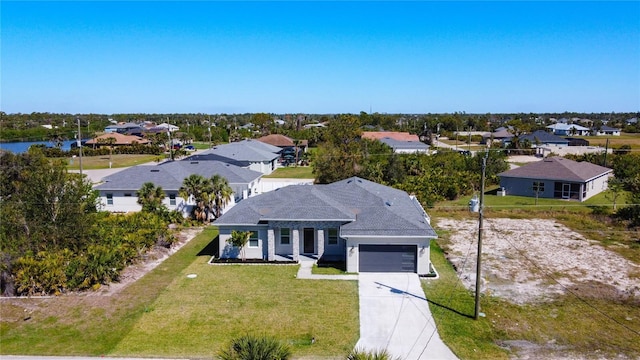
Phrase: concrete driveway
[394,314]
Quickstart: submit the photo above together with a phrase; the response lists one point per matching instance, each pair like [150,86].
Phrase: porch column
[296,243]
[271,244]
[320,242]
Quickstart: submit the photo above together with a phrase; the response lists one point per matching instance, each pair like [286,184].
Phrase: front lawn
[292,172]
[167,314]
[117,161]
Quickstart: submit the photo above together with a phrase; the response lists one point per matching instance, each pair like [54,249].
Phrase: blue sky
[319,57]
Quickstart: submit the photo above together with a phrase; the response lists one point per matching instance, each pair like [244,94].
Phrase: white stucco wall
[229,251]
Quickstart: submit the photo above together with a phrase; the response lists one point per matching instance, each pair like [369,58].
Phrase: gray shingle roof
[398,144]
[169,175]
[558,168]
[240,152]
[544,138]
[366,208]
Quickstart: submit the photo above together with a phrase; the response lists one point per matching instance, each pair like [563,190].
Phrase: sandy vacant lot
[533,260]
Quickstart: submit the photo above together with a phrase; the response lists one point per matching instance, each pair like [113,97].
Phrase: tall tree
[195,187]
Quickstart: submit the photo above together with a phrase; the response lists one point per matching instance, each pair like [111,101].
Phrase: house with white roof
[569,130]
[369,226]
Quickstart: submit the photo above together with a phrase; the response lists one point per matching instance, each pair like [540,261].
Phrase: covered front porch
[312,241]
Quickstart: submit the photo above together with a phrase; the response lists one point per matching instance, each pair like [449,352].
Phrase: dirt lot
[528,261]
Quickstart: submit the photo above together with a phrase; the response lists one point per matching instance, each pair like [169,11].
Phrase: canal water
[23,146]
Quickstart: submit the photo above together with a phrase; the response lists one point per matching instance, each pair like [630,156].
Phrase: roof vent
[155,170]
[388,203]
[194,162]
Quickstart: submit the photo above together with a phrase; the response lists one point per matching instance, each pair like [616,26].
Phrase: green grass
[166,314]
[200,145]
[581,326]
[292,172]
[328,269]
[615,141]
[117,161]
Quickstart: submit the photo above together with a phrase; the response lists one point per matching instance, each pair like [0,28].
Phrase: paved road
[394,314]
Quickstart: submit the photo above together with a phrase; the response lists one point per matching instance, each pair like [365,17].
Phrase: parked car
[190,148]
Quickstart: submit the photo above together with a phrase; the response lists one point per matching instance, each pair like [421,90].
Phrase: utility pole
[80,146]
[469,139]
[480,215]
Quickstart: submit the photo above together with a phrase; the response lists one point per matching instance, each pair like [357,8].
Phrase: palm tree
[108,141]
[150,197]
[221,192]
[195,186]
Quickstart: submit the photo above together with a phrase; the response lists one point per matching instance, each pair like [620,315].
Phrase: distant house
[168,127]
[250,154]
[369,226]
[556,178]
[499,135]
[125,128]
[633,121]
[569,129]
[400,142]
[118,192]
[119,140]
[282,141]
[540,138]
[606,131]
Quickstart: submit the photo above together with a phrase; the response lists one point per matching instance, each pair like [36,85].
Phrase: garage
[387,258]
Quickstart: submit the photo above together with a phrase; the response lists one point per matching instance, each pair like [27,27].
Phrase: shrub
[361,354]
[249,347]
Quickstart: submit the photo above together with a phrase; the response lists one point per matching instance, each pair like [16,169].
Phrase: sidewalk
[306,265]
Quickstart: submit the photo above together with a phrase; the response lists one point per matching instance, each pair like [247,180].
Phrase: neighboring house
[541,138]
[314,125]
[632,121]
[251,154]
[118,192]
[169,127]
[556,178]
[282,141]
[499,135]
[372,227]
[569,129]
[125,128]
[400,142]
[606,130]
[120,140]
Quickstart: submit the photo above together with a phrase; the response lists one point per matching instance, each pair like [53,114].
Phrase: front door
[309,246]
[566,191]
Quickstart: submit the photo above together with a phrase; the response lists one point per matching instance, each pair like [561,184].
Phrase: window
[253,239]
[172,199]
[332,236]
[285,236]
[538,186]
[109,199]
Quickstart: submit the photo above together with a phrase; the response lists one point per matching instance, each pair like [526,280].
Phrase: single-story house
[287,145]
[168,127]
[543,138]
[118,192]
[400,142]
[125,128]
[119,140]
[498,135]
[605,131]
[556,178]
[569,130]
[371,227]
[251,154]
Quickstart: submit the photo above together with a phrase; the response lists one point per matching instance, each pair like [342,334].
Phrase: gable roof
[241,152]
[543,137]
[566,127]
[366,208]
[280,140]
[607,128]
[396,135]
[406,145]
[171,174]
[121,139]
[558,168]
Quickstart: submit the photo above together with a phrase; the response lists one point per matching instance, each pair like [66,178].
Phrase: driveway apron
[395,315]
